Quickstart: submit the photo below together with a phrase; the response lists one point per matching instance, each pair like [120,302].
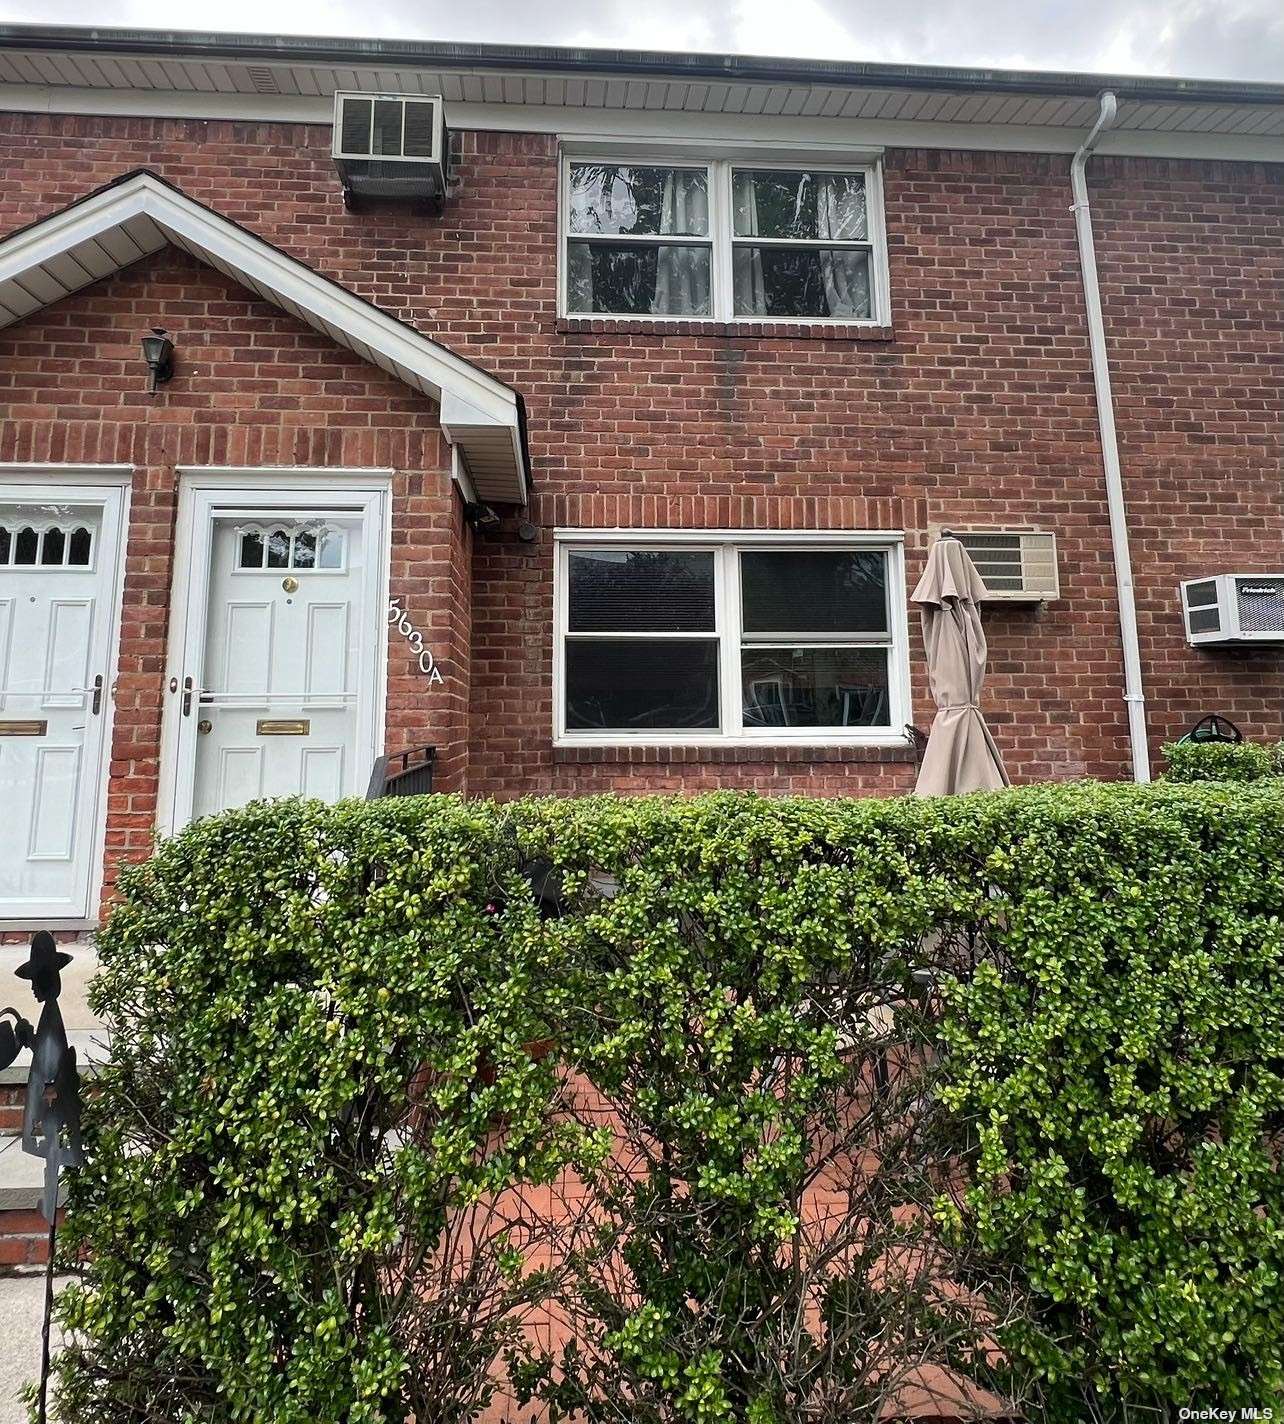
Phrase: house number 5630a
[400,619]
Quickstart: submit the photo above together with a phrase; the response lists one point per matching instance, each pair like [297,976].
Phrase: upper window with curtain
[723,241]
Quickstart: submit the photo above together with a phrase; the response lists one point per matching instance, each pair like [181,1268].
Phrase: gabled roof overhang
[139,214]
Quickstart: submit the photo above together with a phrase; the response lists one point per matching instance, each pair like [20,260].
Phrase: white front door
[59,552]
[277,692]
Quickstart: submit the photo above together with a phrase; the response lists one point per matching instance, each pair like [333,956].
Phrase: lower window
[716,638]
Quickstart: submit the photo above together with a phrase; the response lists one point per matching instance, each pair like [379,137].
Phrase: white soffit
[574,102]
[140,213]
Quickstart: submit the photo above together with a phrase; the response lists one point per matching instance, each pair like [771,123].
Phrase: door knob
[204,726]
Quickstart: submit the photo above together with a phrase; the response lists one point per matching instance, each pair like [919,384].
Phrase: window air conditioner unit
[1234,608]
[1016,566]
[391,147]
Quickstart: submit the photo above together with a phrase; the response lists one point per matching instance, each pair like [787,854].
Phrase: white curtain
[682,270]
[750,291]
[840,214]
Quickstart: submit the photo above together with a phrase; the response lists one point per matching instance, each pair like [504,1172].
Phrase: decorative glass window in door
[294,548]
[45,544]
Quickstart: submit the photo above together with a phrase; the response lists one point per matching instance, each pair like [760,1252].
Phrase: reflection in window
[316,546]
[805,273]
[638,240]
[814,687]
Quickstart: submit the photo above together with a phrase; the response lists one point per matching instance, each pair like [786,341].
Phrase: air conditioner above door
[391,147]
[1016,566]
[1234,608]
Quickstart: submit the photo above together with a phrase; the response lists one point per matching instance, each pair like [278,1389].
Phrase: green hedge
[1223,761]
[1028,1044]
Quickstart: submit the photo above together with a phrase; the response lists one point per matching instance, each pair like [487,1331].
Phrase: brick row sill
[756,753]
[781,331]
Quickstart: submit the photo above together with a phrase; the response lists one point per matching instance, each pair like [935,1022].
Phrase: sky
[1213,39]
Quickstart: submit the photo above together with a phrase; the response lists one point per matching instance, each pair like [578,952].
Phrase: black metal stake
[44,1329]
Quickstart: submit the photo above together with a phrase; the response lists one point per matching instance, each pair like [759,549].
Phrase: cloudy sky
[1230,39]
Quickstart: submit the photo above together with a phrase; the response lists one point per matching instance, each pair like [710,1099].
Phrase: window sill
[598,753]
[778,330]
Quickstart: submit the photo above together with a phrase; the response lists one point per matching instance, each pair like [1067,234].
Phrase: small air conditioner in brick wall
[391,147]
[1234,608]
[1016,566]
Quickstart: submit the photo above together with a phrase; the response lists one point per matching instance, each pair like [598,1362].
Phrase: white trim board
[138,215]
[664,126]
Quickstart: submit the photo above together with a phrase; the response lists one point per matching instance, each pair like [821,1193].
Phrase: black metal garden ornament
[51,1110]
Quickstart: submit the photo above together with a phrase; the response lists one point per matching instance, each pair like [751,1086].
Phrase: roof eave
[548,58]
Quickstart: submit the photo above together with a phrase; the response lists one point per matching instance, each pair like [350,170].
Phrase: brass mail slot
[23,729]
[267,728]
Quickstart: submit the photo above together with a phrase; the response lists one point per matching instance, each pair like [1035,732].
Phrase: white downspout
[1134,697]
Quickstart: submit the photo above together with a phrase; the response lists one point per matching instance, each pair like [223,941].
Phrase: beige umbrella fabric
[960,754]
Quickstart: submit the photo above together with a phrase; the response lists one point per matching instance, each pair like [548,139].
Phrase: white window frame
[726,545]
[721,239]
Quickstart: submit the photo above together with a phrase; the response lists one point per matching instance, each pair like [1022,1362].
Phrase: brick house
[610,467]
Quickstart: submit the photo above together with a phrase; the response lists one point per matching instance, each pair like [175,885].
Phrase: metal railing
[407,773]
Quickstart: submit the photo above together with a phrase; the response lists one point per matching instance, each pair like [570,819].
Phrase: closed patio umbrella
[960,754]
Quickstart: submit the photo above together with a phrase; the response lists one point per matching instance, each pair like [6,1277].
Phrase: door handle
[187,697]
[96,702]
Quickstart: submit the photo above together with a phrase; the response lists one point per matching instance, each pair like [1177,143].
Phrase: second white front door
[278,690]
[59,554]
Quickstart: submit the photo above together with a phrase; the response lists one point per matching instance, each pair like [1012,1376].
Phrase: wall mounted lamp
[482,518]
[158,352]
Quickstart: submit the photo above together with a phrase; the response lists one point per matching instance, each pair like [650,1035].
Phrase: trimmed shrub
[743,1009]
[317,1018]
[1222,761]
[1117,1054]
[993,1084]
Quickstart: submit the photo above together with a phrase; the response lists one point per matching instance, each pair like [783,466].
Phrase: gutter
[546,59]
[1134,696]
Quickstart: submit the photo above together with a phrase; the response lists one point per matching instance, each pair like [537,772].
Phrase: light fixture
[158,352]
[482,518]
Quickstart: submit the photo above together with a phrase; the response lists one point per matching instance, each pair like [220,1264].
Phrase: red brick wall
[254,388]
[976,407]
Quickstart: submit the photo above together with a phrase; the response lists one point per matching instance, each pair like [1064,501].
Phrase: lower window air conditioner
[1234,608]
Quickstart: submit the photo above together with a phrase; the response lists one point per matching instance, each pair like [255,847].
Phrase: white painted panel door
[278,697]
[57,582]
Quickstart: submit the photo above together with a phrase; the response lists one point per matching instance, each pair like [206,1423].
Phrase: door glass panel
[278,549]
[53,547]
